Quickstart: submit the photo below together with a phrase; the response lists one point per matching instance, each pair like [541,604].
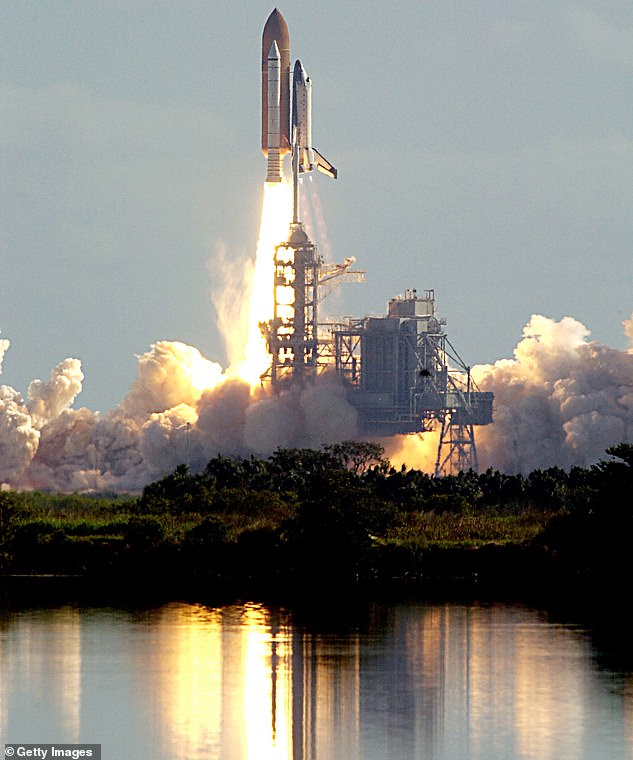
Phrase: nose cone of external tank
[275,28]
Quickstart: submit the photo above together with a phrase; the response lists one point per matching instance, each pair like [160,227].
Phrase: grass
[85,516]
[82,517]
[430,528]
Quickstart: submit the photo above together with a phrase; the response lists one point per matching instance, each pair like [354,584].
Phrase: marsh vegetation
[340,513]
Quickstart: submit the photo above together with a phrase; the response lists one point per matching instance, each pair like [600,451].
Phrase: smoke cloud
[561,401]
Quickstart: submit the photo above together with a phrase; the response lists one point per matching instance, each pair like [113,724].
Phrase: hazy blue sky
[484,148]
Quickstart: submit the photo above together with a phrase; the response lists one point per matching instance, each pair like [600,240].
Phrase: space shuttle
[306,156]
[280,134]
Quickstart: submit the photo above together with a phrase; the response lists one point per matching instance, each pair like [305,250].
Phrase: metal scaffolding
[301,281]
[405,377]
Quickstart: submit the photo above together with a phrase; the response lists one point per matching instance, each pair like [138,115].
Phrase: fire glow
[274,227]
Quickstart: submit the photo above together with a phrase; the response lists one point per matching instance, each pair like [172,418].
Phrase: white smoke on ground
[562,400]
[181,408]
[18,438]
[317,414]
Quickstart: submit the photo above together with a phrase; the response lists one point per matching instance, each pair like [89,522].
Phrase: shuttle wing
[323,165]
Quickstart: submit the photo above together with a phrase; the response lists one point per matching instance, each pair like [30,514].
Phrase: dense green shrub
[144,533]
[338,513]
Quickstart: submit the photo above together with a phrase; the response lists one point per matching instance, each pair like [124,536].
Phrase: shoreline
[494,585]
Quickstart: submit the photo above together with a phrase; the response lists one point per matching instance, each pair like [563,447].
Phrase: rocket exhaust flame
[275,223]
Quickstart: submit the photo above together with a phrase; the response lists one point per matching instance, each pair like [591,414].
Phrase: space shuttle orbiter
[304,153]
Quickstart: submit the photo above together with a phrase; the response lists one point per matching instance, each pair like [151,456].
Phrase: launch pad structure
[405,376]
[400,370]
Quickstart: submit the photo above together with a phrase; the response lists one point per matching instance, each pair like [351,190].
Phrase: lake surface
[251,682]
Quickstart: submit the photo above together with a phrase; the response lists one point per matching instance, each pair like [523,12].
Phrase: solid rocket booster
[274,171]
[275,125]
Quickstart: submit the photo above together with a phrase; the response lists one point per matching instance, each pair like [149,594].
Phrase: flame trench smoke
[561,400]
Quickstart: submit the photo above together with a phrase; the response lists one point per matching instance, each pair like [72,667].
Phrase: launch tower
[301,280]
[401,372]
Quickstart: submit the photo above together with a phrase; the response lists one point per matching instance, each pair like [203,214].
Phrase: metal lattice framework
[406,377]
[291,335]
[301,281]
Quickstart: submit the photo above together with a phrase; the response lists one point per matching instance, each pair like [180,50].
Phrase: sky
[484,149]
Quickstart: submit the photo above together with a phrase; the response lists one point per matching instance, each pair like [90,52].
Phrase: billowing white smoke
[21,424]
[180,409]
[307,418]
[18,437]
[172,373]
[48,400]
[561,401]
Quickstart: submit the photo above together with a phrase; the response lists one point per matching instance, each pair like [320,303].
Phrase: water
[250,682]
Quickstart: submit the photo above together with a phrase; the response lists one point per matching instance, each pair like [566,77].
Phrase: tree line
[340,513]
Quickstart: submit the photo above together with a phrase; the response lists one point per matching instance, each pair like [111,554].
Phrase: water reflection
[41,665]
[246,682]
